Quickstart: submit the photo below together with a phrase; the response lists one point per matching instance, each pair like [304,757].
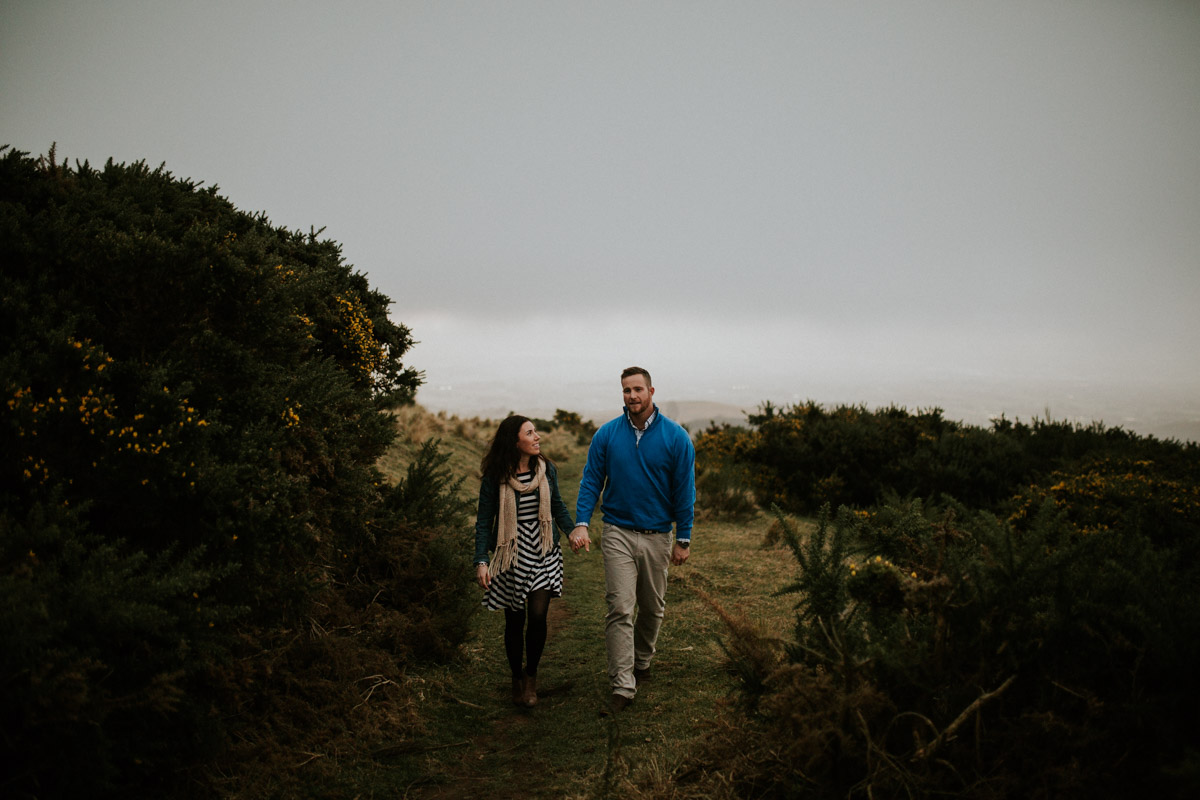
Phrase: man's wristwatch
[684,543]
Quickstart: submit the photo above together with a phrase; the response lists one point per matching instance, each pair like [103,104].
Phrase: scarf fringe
[507,539]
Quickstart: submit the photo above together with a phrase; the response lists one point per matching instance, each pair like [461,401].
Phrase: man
[645,466]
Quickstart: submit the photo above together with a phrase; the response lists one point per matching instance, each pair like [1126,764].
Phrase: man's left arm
[684,501]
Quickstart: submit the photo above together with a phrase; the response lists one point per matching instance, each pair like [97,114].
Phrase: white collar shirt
[639,431]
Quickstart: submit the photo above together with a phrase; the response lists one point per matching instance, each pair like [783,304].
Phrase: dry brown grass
[305,703]
[463,440]
[415,424]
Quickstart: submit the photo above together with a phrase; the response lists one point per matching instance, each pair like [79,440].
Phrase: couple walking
[641,465]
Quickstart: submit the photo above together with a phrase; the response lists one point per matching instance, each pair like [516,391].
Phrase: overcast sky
[753,197]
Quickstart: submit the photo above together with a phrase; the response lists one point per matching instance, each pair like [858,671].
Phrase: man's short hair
[637,371]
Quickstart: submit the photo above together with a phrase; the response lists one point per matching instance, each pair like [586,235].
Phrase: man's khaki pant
[635,576]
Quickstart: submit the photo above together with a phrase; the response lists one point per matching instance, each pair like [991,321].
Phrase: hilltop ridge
[1149,410]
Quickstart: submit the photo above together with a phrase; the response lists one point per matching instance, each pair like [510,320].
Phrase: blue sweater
[646,485]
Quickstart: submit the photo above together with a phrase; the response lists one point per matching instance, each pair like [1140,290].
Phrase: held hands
[579,538]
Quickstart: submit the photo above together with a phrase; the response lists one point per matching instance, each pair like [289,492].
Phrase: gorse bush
[1036,642]
[975,659]
[804,456]
[571,422]
[722,483]
[194,404]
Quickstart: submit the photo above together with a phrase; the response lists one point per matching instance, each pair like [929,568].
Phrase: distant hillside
[696,415]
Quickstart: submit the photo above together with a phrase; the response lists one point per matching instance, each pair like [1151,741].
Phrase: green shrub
[571,422]
[193,411]
[1010,612]
[429,495]
[804,456]
[944,651]
[726,484]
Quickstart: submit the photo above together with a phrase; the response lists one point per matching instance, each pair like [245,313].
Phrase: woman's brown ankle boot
[530,694]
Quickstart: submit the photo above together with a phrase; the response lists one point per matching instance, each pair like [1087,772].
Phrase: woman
[519,505]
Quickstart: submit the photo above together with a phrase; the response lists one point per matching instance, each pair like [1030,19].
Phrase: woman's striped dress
[532,570]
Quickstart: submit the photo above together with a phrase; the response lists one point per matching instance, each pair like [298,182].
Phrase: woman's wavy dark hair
[501,459]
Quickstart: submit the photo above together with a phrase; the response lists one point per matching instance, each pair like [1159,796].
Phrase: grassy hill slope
[476,744]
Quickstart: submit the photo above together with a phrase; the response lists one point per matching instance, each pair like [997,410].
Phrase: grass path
[477,744]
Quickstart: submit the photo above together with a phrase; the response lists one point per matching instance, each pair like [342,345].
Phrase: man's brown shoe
[616,704]
[641,675]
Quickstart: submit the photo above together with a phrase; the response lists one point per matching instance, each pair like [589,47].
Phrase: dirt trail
[471,773]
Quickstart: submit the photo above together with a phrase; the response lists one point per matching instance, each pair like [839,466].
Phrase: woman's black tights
[537,605]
